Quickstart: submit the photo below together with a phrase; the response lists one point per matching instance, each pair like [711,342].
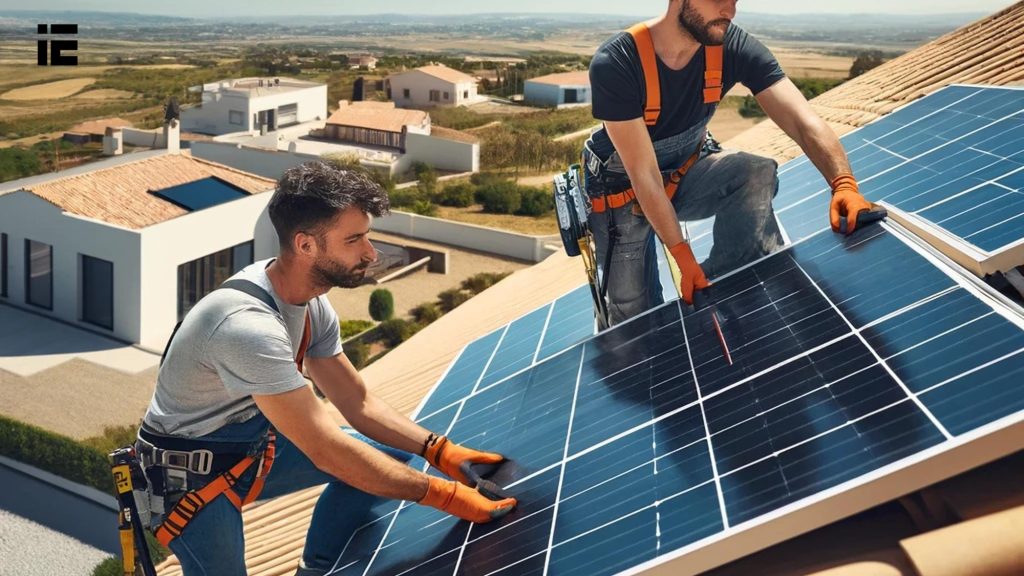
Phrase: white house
[556,90]
[375,124]
[255,105]
[434,85]
[126,246]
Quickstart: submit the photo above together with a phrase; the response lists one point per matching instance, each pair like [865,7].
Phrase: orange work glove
[466,503]
[454,460]
[693,278]
[846,201]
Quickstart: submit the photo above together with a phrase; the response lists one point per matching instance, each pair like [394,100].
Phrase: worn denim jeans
[212,544]
[735,187]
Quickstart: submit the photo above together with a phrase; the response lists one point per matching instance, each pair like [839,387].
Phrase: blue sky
[633,8]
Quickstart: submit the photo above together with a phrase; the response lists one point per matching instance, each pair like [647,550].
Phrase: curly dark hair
[309,196]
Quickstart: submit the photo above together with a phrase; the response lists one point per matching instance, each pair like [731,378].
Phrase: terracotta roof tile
[564,78]
[449,134]
[376,116]
[445,73]
[120,195]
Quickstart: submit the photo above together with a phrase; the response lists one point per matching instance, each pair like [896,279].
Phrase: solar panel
[865,368]
[201,194]
[954,159]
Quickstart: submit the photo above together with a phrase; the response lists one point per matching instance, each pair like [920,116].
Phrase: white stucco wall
[213,116]
[420,84]
[167,245]
[439,153]
[544,94]
[26,216]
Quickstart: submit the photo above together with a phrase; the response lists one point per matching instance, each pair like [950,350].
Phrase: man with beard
[232,417]
[656,88]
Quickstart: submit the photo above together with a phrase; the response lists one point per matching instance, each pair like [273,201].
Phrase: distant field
[49,90]
[104,94]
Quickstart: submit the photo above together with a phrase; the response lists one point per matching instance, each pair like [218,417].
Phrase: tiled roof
[447,74]
[990,51]
[449,134]
[376,116]
[120,195]
[581,78]
[100,126]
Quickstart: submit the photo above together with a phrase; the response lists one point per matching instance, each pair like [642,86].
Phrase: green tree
[382,305]
[866,61]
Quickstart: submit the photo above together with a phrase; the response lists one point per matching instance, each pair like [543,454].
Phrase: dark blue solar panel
[518,346]
[463,375]
[201,194]
[572,320]
[944,158]
[851,354]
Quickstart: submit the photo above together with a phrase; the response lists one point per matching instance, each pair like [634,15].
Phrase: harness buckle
[197,461]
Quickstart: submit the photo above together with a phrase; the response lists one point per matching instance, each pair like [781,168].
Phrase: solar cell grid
[625,454]
[952,158]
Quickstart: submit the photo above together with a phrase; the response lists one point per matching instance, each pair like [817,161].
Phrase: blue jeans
[212,544]
[735,187]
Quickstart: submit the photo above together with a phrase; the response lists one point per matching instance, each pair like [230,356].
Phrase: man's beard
[693,23]
[330,273]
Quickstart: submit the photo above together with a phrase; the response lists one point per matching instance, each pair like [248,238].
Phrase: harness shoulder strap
[712,74]
[648,60]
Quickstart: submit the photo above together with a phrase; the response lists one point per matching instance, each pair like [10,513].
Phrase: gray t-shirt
[231,346]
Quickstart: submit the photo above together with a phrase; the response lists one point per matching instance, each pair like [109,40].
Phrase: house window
[465,94]
[200,277]
[3,265]
[446,95]
[405,93]
[435,95]
[235,117]
[98,292]
[39,274]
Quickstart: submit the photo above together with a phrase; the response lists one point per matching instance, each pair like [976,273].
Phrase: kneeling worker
[233,418]
[656,87]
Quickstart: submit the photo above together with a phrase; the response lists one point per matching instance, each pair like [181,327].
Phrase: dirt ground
[420,286]
[49,90]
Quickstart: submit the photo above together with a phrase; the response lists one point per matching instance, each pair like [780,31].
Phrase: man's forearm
[378,420]
[658,210]
[823,148]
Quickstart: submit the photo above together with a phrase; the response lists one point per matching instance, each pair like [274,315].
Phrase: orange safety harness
[652,109]
[194,501]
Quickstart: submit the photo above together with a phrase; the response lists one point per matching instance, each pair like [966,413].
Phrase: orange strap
[620,199]
[712,74]
[192,502]
[649,62]
[645,48]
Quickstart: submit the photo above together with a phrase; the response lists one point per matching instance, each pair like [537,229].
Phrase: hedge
[54,453]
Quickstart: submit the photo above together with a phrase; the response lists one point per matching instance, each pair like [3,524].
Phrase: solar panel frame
[948,458]
[804,206]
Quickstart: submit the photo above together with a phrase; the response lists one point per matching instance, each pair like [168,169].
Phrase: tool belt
[230,458]
[619,199]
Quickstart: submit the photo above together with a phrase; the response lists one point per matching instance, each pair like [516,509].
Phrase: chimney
[112,141]
[172,135]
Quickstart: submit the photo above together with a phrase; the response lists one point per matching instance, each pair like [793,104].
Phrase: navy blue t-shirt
[619,93]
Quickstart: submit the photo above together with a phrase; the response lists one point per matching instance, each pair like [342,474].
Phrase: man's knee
[762,176]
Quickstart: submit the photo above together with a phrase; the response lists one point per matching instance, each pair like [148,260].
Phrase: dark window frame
[204,272]
[406,93]
[84,317]
[28,274]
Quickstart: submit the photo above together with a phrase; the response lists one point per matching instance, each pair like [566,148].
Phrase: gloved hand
[692,274]
[846,201]
[454,460]
[466,503]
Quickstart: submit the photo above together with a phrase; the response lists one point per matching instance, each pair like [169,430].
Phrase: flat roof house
[556,90]
[255,105]
[433,85]
[127,246]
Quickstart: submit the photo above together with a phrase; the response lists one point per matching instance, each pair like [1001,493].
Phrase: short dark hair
[309,196]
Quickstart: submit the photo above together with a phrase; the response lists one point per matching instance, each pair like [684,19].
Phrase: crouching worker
[233,420]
